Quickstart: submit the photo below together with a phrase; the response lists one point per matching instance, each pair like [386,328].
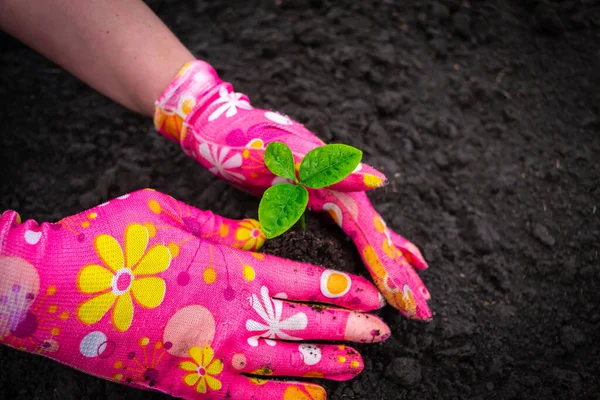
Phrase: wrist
[152,78]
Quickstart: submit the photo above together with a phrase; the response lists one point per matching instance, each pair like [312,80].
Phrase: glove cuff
[20,239]
[193,83]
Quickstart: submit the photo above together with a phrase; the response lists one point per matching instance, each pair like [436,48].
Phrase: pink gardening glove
[223,132]
[150,292]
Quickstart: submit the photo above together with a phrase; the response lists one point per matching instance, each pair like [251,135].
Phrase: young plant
[283,204]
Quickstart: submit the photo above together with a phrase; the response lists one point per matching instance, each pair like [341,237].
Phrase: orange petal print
[378,223]
[184,69]
[306,392]
[170,124]
[346,201]
[405,300]
[263,371]
[373,262]
[335,212]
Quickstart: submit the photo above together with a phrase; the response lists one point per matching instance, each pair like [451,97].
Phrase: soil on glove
[485,116]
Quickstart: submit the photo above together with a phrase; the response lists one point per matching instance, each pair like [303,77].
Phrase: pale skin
[118,47]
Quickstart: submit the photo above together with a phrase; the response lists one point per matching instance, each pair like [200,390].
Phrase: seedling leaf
[281,207]
[280,161]
[327,165]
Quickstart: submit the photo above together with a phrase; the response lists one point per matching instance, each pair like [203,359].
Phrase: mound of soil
[485,118]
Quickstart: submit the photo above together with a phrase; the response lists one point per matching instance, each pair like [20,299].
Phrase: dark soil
[484,115]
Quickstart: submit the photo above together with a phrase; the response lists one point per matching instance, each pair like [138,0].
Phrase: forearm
[119,47]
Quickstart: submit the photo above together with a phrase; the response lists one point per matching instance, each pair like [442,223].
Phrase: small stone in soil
[541,233]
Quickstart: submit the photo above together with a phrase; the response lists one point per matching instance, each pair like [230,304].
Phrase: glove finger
[258,388]
[393,277]
[418,283]
[244,234]
[363,178]
[410,251]
[354,213]
[335,362]
[275,319]
[305,282]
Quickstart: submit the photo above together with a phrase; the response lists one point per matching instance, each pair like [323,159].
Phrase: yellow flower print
[391,251]
[123,274]
[250,234]
[372,181]
[203,369]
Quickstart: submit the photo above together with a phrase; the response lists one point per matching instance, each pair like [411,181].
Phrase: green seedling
[282,205]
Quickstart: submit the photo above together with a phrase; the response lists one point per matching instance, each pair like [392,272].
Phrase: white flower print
[278,118]
[311,354]
[118,198]
[270,311]
[217,156]
[231,102]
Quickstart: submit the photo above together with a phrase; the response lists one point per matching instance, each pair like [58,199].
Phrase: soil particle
[482,234]
[547,19]
[567,378]
[439,11]
[462,24]
[405,371]
[571,338]
[542,234]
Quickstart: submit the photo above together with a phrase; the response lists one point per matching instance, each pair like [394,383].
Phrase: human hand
[221,130]
[150,292]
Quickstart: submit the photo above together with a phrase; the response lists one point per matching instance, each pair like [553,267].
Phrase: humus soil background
[485,116]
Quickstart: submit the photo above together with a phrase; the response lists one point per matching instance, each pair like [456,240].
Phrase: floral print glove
[150,292]
[221,130]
